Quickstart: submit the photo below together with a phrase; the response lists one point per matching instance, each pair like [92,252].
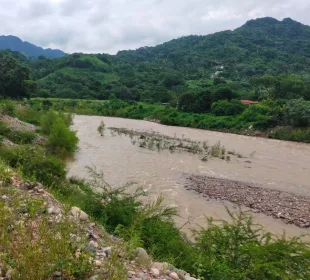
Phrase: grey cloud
[110,25]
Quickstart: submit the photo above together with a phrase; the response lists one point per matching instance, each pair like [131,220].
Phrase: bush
[7,107]
[61,141]
[240,250]
[17,136]
[297,112]
[292,134]
[227,108]
[34,163]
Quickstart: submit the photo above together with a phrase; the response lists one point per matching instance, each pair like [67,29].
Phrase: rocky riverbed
[290,208]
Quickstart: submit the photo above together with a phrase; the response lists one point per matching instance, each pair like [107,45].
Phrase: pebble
[174,276]
[155,272]
[98,263]
[131,274]
[107,250]
[4,197]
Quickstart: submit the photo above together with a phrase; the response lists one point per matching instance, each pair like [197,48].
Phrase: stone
[50,210]
[93,245]
[98,263]
[160,266]
[131,274]
[174,276]
[78,214]
[155,272]
[142,257]
[107,251]
[8,274]
[93,236]
[57,274]
[4,197]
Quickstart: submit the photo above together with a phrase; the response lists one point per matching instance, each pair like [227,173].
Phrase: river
[274,164]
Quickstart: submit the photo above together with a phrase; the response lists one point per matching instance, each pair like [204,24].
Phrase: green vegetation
[235,249]
[101,128]
[15,81]
[270,116]
[31,246]
[205,77]
[61,140]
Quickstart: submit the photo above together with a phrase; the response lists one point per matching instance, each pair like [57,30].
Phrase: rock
[77,213]
[155,272]
[174,276]
[142,257]
[91,235]
[160,266]
[131,274]
[98,263]
[57,274]
[8,274]
[4,197]
[92,245]
[107,251]
[50,210]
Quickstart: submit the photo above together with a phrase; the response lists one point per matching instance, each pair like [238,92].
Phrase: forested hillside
[265,60]
[280,49]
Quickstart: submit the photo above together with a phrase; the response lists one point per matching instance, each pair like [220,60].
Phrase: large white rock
[78,214]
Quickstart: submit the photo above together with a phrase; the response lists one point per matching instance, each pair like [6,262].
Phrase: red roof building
[249,102]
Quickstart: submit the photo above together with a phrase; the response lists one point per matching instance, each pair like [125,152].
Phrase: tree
[227,108]
[195,102]
[297,112]
[15,79]
[223,93]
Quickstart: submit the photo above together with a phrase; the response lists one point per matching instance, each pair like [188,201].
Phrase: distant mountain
[16,44]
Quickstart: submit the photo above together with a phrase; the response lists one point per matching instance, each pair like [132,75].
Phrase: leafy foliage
[15,79]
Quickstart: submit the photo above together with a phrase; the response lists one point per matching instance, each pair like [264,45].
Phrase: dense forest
[265,60]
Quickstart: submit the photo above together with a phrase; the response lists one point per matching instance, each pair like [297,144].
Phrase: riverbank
[254,124]
[126,219]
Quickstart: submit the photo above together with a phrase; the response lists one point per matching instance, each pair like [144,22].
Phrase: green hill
[263,46]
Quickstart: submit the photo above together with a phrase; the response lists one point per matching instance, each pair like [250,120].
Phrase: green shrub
[297,112]
[17,136]
[34,163]
[240,250]
[61,140]
[292,134]
[7,107]
[227,108]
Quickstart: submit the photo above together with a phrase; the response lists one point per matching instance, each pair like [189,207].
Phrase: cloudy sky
[96,26]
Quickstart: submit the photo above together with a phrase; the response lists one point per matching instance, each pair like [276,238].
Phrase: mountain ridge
[14,43]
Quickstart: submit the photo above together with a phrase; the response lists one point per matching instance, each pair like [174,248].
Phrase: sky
[107,26]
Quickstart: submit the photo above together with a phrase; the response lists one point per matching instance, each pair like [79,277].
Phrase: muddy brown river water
[274,164]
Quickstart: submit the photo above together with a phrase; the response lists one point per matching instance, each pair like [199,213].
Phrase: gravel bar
[291,208]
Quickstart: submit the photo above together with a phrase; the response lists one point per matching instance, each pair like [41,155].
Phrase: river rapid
[271,163]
